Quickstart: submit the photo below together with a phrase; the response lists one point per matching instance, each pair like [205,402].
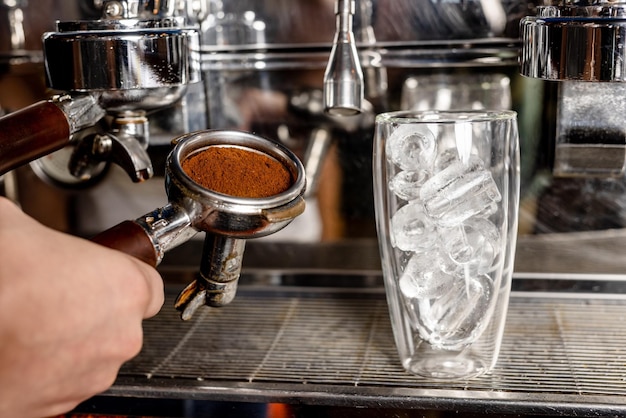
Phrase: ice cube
[476,241]
[422,278]
[445,158]
[406,184]
[459,192]
[411,147]
[412,229]
[458,317]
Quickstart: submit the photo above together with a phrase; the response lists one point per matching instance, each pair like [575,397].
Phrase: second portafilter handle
[228,220]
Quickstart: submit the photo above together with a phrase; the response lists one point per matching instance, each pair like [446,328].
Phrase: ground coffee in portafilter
[237,171]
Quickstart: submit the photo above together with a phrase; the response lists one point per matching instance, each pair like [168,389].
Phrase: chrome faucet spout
[343,78]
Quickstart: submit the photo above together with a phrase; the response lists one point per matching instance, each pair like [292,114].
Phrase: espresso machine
[307,332]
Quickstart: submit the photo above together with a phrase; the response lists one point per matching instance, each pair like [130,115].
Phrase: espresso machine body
[262,70]
[264,67]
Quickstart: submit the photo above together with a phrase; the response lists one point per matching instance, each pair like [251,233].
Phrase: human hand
[71,314]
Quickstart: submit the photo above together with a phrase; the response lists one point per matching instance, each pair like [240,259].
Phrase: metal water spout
[343,78]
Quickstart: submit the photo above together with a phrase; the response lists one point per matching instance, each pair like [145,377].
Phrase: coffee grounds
[237,171]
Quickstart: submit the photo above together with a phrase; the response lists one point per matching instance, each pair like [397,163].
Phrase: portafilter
[227,220]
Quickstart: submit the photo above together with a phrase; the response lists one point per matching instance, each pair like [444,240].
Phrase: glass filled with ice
[446,187]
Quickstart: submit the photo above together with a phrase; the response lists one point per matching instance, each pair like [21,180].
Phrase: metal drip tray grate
[562,353]
[275,338]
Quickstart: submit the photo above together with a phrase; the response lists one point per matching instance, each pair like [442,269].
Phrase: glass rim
[445,116]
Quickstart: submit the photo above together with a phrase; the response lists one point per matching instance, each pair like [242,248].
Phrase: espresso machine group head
[138,57]
[582,45]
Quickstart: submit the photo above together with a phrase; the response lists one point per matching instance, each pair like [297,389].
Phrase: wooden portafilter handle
[132,239]
[31,133]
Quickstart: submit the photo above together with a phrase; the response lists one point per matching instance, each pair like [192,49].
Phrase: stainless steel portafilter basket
[232,216]
[227,220]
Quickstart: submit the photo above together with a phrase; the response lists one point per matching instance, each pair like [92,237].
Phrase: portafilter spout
[227,219]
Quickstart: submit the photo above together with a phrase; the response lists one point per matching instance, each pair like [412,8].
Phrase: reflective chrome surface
[343,78]
[581,45]
[138,57]
[575,42]
[139,9]
[590,141]
[234,216]
[132,66]
[284,22]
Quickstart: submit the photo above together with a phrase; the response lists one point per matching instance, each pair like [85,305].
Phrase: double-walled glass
[446,187]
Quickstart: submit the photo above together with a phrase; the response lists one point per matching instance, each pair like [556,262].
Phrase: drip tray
[564,353]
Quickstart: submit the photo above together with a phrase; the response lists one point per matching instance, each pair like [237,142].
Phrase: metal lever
[343,78]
